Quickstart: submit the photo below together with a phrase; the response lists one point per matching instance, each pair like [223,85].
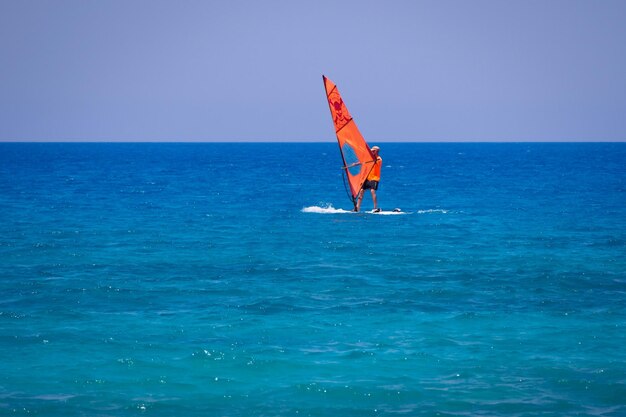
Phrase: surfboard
[387,212]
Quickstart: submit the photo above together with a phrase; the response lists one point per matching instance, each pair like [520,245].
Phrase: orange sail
[358,160]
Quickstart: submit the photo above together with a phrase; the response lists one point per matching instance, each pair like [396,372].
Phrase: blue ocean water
[187,280]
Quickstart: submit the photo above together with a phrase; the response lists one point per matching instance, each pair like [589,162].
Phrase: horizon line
[310,141]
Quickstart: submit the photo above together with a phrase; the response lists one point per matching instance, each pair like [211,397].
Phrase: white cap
[375,148]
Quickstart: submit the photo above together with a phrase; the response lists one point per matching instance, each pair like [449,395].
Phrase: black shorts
[370,185]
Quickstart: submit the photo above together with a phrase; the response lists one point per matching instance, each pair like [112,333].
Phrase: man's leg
[374,198]
[359,199]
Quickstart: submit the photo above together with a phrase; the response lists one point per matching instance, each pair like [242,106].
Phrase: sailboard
[358,159]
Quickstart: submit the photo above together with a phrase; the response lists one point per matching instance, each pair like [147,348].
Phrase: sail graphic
[358,160]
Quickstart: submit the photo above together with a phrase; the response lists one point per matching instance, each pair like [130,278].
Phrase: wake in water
[329,209]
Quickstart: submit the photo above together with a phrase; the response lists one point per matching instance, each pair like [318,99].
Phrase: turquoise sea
[224,279]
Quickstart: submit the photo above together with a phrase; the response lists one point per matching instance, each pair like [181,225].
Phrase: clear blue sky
[124,70]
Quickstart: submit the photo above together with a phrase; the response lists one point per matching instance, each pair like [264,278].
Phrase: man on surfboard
[371,183]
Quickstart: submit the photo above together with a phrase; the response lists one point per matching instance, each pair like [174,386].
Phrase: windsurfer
[371,183]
